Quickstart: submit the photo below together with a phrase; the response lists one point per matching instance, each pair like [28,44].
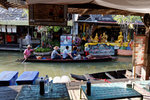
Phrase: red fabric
[86,53]
[8,38]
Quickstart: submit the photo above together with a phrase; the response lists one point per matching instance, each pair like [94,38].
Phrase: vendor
[27,53]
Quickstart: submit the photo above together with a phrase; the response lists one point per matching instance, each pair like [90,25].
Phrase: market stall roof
[133,7]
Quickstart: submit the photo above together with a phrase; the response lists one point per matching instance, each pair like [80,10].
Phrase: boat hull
[96,59]
[118,74]
[121,52]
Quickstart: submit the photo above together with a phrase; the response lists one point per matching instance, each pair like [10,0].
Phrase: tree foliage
[121,19]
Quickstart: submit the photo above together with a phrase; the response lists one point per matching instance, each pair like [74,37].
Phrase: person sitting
[27,53]
[66,54]
[75,55]
[55,54]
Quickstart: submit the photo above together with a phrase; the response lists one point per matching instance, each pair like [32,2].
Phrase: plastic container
[46,84]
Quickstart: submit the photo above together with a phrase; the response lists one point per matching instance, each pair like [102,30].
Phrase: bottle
[51,85]
[46,84]
[88,84]
[42,87]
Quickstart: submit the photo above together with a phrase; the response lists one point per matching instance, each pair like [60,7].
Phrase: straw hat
[56,48]
[29,46]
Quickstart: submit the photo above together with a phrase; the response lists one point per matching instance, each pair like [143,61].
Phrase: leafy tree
[126,22]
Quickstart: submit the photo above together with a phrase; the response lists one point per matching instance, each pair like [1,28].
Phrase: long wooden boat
[93,59]
[118,74]
[121,52]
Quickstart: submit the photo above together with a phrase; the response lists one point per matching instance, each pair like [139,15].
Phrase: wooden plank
[9,93]
[69,91]
[111,77]
[72,94]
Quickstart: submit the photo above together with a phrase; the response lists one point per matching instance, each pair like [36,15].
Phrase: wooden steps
[75,95]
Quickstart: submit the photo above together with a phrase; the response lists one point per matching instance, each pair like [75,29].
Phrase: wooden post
[146,69]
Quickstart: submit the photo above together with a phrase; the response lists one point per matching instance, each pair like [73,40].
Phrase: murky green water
[8,63]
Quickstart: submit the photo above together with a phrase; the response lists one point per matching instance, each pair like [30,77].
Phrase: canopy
[139,6]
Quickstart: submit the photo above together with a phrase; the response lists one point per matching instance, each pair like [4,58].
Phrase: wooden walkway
[74,91]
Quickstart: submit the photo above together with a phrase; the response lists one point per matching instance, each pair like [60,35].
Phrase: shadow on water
[8,62]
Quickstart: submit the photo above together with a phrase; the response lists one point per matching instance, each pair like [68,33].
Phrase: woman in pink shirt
[27,52]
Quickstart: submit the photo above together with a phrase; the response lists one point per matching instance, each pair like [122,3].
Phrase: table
[8,78]
[109,91]
[31,92]
[142,86]
[27,77]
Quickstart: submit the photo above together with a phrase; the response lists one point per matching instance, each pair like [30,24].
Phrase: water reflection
[8,62]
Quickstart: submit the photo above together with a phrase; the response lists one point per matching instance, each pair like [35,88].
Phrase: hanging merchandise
[3,29]
[8,37]
[14,29]
[9,29]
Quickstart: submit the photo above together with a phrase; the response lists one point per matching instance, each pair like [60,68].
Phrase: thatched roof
[124,7]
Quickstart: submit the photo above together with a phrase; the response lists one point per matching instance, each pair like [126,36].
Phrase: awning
[134,6]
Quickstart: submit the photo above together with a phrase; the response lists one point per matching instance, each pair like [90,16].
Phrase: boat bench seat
[27,77]
[8,78]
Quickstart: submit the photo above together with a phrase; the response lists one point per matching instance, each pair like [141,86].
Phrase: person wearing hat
[27,52]
[55,54]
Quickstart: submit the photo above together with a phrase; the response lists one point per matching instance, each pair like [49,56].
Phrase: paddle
[24,60]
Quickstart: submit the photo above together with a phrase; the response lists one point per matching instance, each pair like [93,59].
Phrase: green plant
[42,49]
[54,43]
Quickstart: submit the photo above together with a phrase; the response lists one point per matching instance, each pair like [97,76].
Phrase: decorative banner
[139,49]
[65,40]
[48,14]
[101,49]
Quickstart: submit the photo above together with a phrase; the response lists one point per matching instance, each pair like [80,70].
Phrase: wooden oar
[24,60]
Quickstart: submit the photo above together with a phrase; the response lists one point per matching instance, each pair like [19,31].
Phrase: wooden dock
[10,92]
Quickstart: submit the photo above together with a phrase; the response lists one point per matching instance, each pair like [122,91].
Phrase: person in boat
[55,54]
[66,54]
[75,54]
[28,53]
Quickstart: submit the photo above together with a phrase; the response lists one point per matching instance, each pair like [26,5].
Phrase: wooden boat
[118,74]
[92,59]
[121,52]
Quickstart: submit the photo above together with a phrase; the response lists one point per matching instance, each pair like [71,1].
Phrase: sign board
[101,49]
[65,40]
[48,14]
[139,49]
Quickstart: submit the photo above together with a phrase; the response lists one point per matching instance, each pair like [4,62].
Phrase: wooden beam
[84,11]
